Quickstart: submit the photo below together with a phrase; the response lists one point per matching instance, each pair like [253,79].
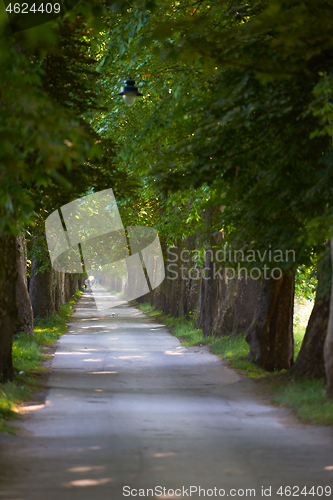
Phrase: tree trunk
[41,290]
[67,287]
[270,335]
[26,319]
[227,300]
[178,293]
[213,286]
[8,309]
[328,346]
[62,288]
[245,304]
[57,290]
[207,295]
[310,361]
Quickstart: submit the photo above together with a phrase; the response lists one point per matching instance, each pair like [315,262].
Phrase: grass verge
[233,349]
[307,398]
[28,354]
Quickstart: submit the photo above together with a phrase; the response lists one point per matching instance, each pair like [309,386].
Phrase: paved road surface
[128,406]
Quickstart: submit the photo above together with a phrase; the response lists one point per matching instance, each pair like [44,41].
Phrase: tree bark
[57,291]
[227,301]
[213,287]
[67,287]
[270,334]
[62,288]
[245,304]
[328,346]
[207,296]
[178,293]
[8,308]
[26,319]
[310,361]
[41,290]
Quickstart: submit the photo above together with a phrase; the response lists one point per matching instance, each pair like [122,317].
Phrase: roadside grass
[307,398]
[233,349]
[28,353]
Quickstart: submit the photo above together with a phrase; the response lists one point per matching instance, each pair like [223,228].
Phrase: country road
[130,411]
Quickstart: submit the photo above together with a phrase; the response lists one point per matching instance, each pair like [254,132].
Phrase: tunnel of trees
[228,155]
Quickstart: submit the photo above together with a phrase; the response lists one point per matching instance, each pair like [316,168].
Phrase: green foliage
[305,283]
[37,135]
[234,97]
[25,352]
[10,394]
[27,348]
[144,132]
[309,399]
[69,78]
[236,114]
[48,151]
[47,330]
[322,106]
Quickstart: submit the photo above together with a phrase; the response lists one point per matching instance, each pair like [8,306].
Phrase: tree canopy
[226,92]
[236,115]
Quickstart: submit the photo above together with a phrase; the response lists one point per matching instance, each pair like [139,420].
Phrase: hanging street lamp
[129,92]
